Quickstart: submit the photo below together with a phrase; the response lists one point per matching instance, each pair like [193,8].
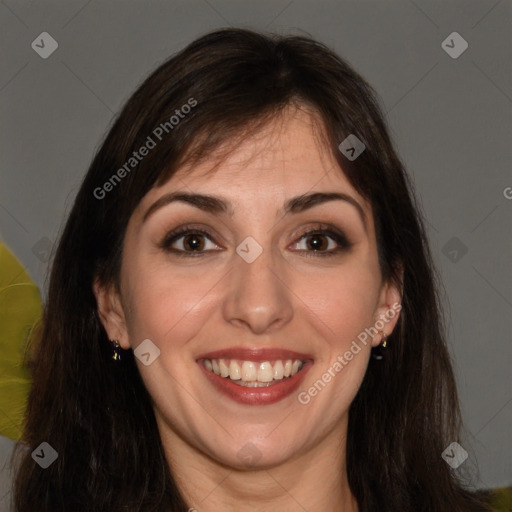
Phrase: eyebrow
[219,206]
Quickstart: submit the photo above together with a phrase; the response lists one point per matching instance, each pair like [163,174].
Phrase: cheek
[341,306]
[343,300]
[165,305]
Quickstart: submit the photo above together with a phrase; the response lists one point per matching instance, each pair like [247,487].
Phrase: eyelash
[339,237]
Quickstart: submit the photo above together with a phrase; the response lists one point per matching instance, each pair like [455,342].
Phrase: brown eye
[188,242]
[322,242]
[317,242]
[194,242]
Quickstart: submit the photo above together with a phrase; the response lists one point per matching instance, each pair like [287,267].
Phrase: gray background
[450,118]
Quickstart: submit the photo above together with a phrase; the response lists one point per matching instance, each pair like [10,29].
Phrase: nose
[258,296]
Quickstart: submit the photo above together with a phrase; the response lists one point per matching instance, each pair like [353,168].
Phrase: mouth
[255,377]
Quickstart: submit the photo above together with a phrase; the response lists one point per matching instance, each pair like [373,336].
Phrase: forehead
[287,156]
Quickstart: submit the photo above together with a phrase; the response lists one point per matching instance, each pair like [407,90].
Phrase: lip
[257,355]
[256,396]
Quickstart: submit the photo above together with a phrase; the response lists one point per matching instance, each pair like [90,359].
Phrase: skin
[191,305]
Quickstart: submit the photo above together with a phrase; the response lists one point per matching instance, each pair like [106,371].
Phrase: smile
[254,373]
[255,377]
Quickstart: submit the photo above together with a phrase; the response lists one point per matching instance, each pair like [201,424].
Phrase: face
[261,309]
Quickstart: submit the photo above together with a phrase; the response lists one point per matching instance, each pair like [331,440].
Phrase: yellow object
[20,312]
[502,499]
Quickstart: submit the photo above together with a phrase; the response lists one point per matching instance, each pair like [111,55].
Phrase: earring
[116,350]
[378,351]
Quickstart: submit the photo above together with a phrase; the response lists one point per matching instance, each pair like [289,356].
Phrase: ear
[111,312]
[388,310]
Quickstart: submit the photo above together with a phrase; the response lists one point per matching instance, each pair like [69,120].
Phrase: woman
[248,243]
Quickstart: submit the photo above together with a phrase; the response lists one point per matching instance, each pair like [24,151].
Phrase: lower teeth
[255,384]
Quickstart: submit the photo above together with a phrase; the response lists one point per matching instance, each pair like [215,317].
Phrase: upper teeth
[250,371]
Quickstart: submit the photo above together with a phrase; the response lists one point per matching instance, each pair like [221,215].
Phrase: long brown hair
[97,414]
